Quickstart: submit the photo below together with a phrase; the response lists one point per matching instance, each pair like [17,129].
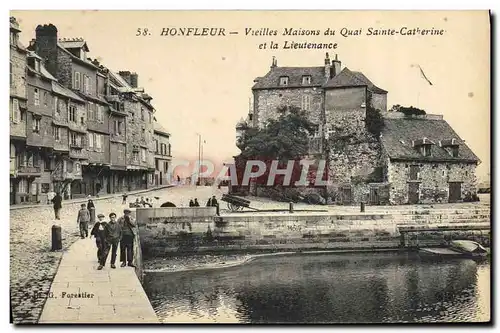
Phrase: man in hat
[98,233]
[128,228]
[83,220]
[112,236]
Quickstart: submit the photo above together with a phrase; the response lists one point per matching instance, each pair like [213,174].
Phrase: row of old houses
[77,127]
[412,159]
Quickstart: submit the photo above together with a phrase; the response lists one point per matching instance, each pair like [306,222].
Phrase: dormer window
[451,146]
[424,146]
[306,79]
[426,150]
[283,80]
[454,151]
[37,65]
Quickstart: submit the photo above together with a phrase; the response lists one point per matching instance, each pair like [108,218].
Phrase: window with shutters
[143,154]
[73,139]
[156,147]
[76,82]
[16,112]
[56,105]
[23,185]
[91,140]
[72,113]
[120,152]
[45,98]
[98,142]
[135,156]
[57,133]
[142,114]
[91,111]
[283,80]
[86,84]
[165,166]
[36,97]
[11,77]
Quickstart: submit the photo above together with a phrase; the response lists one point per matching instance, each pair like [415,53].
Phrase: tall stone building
[76,127]
[20,173]
[360,164]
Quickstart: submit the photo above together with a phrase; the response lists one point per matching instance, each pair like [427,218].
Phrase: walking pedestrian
[112,236]
[124,196]
[91,208]
[196,203]
[57,201]
[83,221]
[99,235]
[128,228]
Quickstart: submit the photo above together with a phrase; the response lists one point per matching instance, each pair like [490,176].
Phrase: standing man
[112,236]
[57,201]
[124,196]
[100,236]
[128,226]
[214,202]
[196,203]
[83,220]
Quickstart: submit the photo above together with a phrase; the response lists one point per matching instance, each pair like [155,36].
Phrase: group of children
[109,234]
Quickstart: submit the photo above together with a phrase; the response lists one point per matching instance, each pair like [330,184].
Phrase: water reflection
[349,288]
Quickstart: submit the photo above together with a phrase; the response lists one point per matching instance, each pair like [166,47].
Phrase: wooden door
[374,197]
[346,195]
[413,193]
[455,191]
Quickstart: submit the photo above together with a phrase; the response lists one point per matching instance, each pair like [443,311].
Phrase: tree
[374,121]
[285,138]
[408,111]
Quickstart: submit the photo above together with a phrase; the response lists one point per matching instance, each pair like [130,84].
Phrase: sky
[203,84]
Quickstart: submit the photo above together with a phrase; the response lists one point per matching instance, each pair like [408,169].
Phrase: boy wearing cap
[112,236]
[128,226]
[99,234]
[83,220]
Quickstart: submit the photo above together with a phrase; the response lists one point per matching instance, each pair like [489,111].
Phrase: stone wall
[434,179]
[354,152]
[18,72]
[267,101]
[45,137]
[379,102]
[171,231]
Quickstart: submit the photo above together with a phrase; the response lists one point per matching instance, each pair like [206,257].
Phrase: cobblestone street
[33,265]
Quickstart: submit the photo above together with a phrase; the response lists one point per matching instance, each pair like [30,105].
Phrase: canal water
[327,288]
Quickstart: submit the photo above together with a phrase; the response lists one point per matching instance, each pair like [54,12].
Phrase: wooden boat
[455,249]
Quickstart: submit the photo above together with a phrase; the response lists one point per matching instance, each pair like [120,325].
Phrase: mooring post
[362,207]
[56,238]
[291,207]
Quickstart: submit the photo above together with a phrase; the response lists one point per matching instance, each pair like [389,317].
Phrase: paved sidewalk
[94,198]
[106,296]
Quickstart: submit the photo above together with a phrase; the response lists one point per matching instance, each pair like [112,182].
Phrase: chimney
[125,75]
[134,80]
[274,63]
[327,67]
[46,48]
[337,66]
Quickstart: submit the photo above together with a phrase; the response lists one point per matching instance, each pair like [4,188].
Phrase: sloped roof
[81,61]
[61,90]
[46,73]
[160,129]
[124,86]
[295,74]
[398,135]
[72,43]
[348,78]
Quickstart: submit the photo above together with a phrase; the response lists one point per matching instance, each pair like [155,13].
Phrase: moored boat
[455,249]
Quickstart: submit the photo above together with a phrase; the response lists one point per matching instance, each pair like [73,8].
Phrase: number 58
[142,32]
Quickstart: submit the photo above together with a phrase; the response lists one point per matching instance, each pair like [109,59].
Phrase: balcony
[66,175]
[30,171]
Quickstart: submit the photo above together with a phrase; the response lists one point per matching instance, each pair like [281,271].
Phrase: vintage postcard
[250,167]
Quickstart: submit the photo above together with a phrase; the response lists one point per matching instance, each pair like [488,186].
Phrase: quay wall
[178,231]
